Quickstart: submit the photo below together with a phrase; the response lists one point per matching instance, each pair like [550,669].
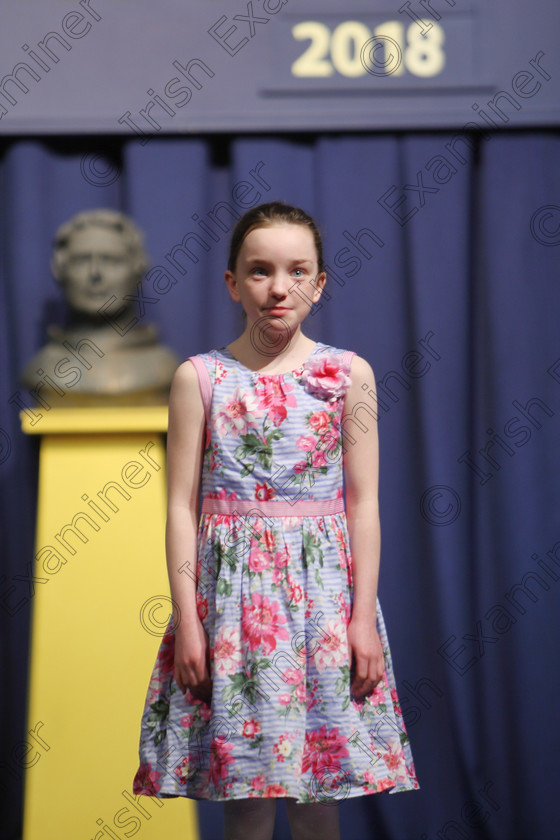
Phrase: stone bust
[105,355]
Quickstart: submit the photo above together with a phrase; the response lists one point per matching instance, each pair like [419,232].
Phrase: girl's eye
[299,272]
[259,271]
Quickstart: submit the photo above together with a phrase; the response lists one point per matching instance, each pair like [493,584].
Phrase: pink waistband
[253,507]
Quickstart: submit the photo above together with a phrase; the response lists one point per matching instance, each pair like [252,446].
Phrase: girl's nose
[280,284]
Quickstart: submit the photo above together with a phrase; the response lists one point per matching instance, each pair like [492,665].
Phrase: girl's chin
[274,330]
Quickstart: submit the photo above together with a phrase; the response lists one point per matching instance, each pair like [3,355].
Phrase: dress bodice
[275,436]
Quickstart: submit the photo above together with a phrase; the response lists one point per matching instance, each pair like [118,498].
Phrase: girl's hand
[192,661]
[365,654]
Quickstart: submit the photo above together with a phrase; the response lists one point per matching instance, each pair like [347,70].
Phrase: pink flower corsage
[324,377]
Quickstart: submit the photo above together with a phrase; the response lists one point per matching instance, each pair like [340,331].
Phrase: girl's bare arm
[185,439]
[361,474]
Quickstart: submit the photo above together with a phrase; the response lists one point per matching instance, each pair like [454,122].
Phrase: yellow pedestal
[100,606]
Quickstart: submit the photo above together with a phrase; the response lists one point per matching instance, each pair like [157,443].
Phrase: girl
[274,678]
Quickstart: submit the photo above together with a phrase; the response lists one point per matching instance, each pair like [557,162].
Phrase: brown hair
[272,213]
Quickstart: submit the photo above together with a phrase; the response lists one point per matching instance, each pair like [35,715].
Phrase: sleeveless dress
[275,594]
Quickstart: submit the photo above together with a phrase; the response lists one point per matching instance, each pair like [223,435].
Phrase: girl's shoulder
[347,366]
[213,361]
[346,358]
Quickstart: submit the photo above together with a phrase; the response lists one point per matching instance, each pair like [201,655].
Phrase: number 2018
[340,50]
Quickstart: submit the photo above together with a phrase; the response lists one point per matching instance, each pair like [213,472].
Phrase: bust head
[97,254]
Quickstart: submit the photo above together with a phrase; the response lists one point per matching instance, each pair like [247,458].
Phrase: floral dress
[274,593]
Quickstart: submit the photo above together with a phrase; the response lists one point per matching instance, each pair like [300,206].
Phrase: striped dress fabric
[275,594]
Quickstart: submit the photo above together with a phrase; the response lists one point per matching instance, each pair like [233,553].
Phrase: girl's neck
[289,357]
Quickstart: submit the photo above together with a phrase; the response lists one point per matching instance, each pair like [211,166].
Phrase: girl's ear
[319,284]
[231,283]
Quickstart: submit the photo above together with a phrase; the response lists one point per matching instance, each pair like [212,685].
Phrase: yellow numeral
[424,55]
[313,62]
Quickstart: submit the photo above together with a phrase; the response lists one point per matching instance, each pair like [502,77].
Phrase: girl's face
[276,276]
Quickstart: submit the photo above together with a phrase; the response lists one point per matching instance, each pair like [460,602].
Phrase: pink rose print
[332,652]
[204,711]
[319,459]
[262,624]
[227,652]
[268,539]
[294,589]
[274,395]
[239,415]
[323,748]
[369,777]
[277,577]
[385,784]
[146,780]
[166,654]
[343,607]
[307,443]
[393,758]
[377,696]
[275,790]
[292,675]
[201,606]
[258,529]
[323,377]
[281,559]
[300,693]
[258,561]
[220,757]
[319,421]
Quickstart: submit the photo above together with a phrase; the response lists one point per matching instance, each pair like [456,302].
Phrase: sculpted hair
[108,219]
[266,215]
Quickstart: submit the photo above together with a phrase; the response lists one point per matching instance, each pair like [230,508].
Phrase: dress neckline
[293,372]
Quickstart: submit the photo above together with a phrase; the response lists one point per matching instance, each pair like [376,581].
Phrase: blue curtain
[443,252]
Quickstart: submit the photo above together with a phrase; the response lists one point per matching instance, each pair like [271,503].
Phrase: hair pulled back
[266,215]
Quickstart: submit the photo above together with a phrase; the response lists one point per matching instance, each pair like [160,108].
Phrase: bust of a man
[105,355]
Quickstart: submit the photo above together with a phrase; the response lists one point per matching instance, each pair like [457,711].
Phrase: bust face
[98,265]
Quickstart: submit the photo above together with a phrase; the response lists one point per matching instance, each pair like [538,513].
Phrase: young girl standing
[274,677]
